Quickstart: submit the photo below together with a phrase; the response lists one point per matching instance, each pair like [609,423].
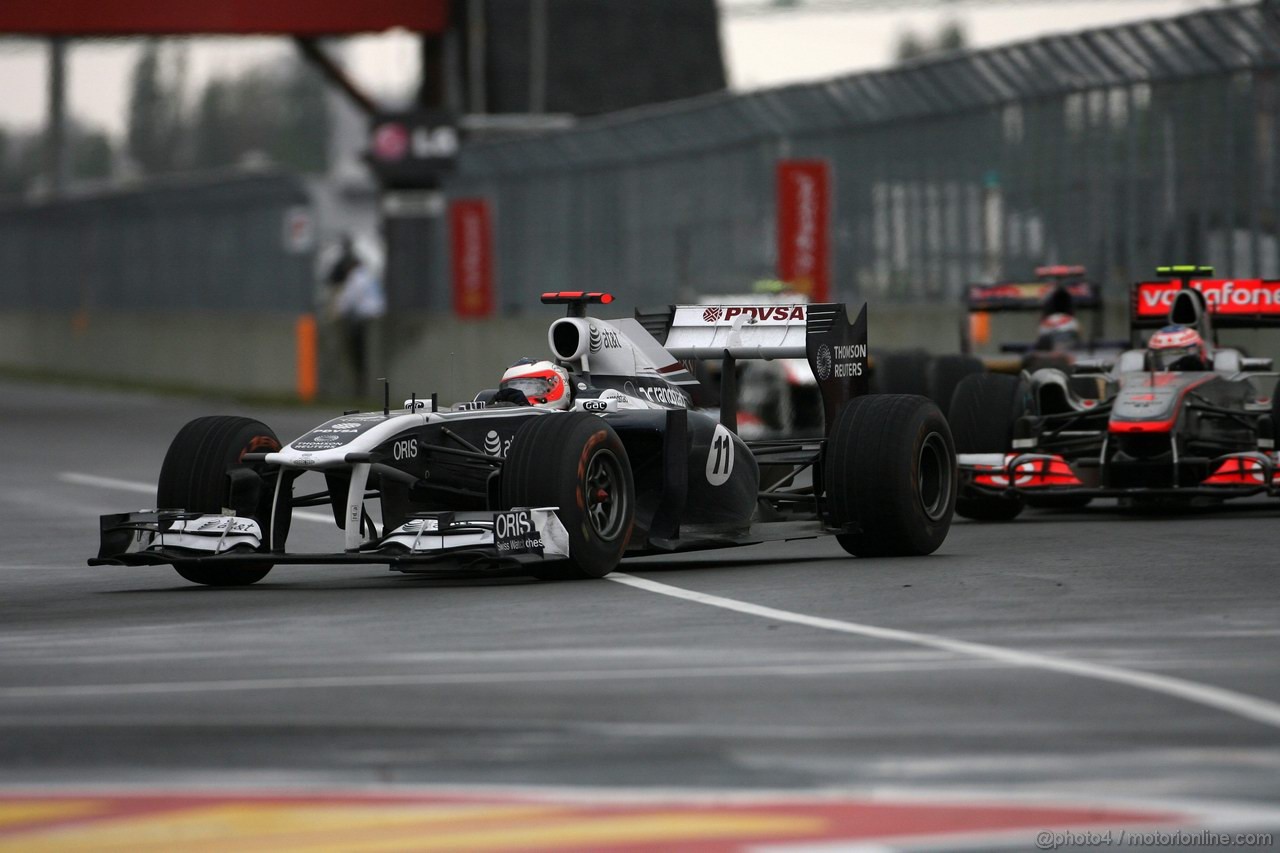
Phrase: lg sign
[412,150]
[391,141]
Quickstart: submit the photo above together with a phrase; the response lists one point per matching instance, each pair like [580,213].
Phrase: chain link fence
[1117,148]
[229,243]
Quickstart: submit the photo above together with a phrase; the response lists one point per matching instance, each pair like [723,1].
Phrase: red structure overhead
[219,17]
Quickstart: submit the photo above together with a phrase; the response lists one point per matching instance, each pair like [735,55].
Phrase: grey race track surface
[339,675]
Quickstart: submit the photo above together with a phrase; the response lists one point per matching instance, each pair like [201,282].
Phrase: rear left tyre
[889,471]
[195,477]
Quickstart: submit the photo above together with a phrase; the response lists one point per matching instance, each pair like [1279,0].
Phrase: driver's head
[1059,332]
[544,383]
[1177,347]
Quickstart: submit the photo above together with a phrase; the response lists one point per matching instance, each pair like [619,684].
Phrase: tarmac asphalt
[1092,655]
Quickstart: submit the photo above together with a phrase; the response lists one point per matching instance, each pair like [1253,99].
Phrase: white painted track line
[79,479]
[327,682]
[1238,704]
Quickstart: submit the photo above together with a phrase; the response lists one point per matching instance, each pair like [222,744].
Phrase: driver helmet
[1177,347]
[544,383]
[1058,332]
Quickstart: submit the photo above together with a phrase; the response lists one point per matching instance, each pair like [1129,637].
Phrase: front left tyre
[195,477]
[575,462]
[889,473]
[984,411]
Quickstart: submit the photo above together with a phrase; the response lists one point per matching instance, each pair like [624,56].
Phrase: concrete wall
[237,352]
[257,353]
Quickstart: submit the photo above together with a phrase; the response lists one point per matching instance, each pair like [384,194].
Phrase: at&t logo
[495,446]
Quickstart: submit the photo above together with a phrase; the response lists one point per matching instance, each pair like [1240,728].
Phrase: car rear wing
[834,345]
[1235,303]
[1062,291]
[1032,296]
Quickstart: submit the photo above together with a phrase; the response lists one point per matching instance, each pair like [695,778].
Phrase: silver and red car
[1191,429]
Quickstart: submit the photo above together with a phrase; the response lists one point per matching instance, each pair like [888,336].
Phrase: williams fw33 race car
[1180,421]
[570,464]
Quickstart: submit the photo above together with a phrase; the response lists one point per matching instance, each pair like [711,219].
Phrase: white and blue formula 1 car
[625,467]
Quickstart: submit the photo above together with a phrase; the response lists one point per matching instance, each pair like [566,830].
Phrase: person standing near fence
[356,304]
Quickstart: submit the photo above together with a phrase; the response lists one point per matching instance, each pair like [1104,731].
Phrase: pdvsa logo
[755,313]
[759,314]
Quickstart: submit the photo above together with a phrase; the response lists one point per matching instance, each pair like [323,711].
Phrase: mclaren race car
[571,464]
[1180,420]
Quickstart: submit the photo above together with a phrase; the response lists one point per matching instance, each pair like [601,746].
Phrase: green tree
[21,161]
[155,135]
[91,153]
[950,38]
[277,110]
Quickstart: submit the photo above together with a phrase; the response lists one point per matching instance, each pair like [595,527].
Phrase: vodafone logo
[754,313]
[1223,296]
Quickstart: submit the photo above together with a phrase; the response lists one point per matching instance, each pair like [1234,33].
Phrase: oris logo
[712,314]
[406,449]
[822,362]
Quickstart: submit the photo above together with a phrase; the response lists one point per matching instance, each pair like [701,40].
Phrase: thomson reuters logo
[712,314]
[822,362]
[492,443]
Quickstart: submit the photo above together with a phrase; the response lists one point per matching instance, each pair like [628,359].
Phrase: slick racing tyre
[945,373]
[902,372]
[575,462]
[983,413]
[194,477]
[889,470]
